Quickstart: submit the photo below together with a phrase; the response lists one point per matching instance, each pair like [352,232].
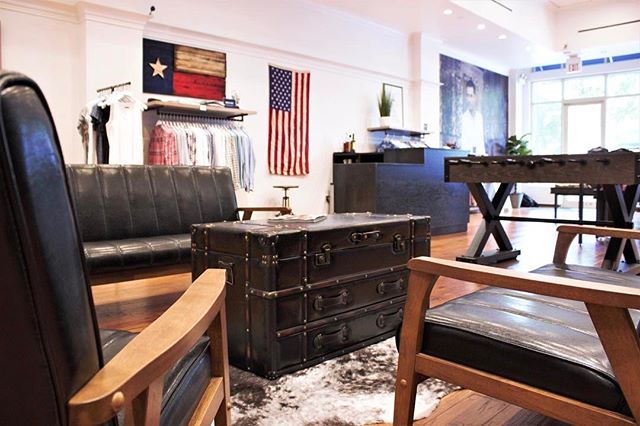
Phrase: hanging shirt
[163,149]
[99,119]
[125,134]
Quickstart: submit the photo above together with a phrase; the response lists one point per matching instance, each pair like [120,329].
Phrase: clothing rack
[113,87]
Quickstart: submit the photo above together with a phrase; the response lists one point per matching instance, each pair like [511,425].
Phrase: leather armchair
[560,340]
[57,367]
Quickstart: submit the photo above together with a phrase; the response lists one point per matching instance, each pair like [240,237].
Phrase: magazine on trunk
[298,218]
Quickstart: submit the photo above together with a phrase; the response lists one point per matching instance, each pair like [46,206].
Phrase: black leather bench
[135,220]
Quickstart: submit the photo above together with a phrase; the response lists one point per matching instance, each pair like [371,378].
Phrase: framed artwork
[174,69]
[397,108]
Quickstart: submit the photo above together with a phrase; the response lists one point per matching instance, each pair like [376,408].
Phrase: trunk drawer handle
[338,337]
[382,319]
[321,302]
[396,286]
[359,237]
[228,267]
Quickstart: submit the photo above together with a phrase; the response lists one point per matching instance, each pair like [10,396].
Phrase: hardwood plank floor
[146,299]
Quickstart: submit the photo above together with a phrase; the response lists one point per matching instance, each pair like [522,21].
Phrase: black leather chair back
[119,202]
[48,335]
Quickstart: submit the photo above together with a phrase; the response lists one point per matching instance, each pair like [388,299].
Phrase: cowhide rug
[354,389]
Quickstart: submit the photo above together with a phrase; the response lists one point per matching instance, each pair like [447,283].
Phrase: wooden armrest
[151,353]
[567,233]
[248,211]
[565,288]
[600,231]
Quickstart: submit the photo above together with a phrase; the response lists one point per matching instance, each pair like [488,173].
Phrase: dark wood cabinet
[357,157]
[408,181]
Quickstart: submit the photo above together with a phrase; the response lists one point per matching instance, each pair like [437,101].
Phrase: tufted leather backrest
[48,335]
[118,202]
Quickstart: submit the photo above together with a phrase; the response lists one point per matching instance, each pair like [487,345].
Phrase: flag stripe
[294,130]
[305,126]
[272,148]
[296,168]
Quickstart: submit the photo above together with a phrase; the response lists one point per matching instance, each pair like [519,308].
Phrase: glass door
[584,129]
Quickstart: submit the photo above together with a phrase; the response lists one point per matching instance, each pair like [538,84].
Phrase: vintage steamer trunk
[298,294]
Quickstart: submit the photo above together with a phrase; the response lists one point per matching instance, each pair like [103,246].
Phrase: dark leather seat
[51,345]
[554,346]
[140,216]
[184,383]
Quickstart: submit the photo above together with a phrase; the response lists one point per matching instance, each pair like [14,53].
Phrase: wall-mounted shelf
[214,111]
[397,131]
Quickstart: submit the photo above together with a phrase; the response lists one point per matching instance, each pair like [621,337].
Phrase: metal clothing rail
[113,87]
[195,117]
[200,110]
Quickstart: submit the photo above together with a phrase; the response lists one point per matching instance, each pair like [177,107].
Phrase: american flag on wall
[288,122]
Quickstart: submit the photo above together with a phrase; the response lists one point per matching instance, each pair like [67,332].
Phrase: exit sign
[574,64]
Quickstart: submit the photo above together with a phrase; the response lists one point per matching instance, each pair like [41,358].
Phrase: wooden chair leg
[220,364]
[215,403]
[144,410]
[622,345]
[420,286]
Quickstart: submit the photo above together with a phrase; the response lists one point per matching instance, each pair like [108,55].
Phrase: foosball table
[617,172]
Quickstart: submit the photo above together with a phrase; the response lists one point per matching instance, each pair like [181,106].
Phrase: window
[575,114]
[584,87]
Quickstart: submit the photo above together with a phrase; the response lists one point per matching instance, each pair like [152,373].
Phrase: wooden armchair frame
[248,211]
[607,305]
[133,379]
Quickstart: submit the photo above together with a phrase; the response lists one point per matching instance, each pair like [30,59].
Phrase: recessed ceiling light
[448,12]
[481,26]
[502,37]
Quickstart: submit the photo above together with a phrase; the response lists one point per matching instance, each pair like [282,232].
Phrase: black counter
[408,181]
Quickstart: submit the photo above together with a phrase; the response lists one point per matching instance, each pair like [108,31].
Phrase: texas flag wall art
[172,69]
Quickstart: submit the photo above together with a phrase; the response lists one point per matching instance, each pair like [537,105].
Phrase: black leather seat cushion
[140,216]
[545,342]
[184,384]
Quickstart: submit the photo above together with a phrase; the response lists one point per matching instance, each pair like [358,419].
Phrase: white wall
[73,50]
[45,45]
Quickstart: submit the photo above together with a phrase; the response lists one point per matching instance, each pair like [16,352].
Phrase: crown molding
[87,11]
[172,34]
[355,19]
[77,13]
[45,9]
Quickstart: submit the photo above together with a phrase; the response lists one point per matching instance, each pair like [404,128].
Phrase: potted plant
[517,146]
[384,108]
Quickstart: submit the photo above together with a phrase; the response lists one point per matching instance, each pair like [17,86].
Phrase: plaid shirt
[163,149]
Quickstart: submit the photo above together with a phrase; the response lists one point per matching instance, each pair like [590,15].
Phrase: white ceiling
[459,30]
[565,3]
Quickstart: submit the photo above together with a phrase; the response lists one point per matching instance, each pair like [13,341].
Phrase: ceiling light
[448,12]
[481,27]
[502,37]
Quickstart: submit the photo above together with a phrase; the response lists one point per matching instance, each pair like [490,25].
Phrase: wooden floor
[145,300]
